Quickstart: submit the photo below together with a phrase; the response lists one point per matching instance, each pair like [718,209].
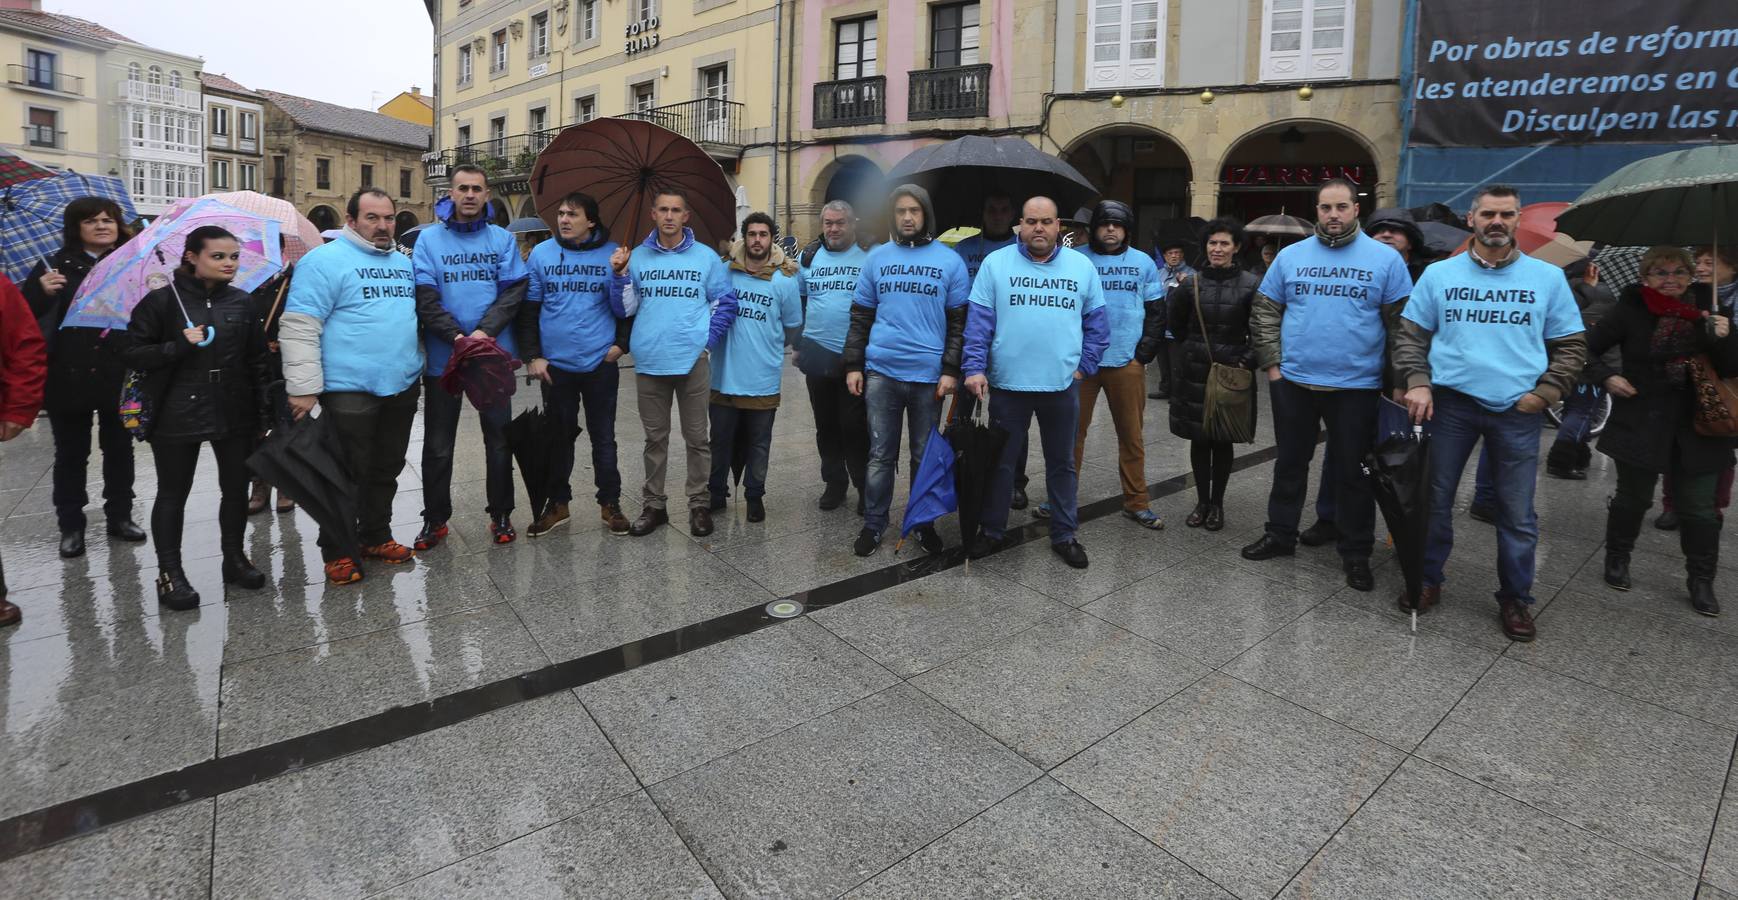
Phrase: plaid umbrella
[31,213]
[15,169]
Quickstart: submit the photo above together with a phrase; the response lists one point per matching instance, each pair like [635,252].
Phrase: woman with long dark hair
[85,371]
[1225,294]
[1660,326]
[204,355]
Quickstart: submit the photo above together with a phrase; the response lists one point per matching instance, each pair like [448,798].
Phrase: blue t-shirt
[1040,315]
[678,290]
[1332,334]
[830,283]
[1130,280]
[580,300]
[977,248]
[1491,325]
[750,362]
[911,289]
[366,299]
[470,269]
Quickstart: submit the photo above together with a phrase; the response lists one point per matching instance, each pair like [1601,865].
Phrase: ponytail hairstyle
[196,241]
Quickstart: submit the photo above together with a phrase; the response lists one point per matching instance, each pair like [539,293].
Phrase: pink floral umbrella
[300,235]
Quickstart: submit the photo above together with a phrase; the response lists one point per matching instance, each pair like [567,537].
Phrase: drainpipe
[778,34]
[790,108]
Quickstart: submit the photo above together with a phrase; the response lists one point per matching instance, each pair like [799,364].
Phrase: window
[537,120]
[323,174]
[247,123]
[540,34]
[248,178]
[220,174]
[1306,39]
[175,78]
[1126,44]
[39,70]
[648,9]
[645,96]
[465,64]
[464,136]
[367,175]
[154,75]
[498,136]
[134,73]
[588,20]
[584,109]
[220,120]
[715,86]
[498,57]
[43,129]
[404,183]
[136,121]
[854,49]
[953,35]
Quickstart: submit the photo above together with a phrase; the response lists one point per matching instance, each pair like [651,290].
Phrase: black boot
[1583,458]
[237,570]
[1560,461]
[1622,526]
[1701,545]
[174,592]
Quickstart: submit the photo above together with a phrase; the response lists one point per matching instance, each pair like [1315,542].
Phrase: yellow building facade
[513,73]
[412,106]
[51,104]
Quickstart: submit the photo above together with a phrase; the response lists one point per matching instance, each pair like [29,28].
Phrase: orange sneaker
[391,552]
[343,571]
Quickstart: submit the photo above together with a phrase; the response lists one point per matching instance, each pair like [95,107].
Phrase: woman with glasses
[1659,326]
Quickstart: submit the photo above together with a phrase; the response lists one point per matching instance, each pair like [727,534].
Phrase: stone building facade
[318,154]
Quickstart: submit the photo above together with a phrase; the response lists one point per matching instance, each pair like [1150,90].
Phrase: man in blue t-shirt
[1320,326]
[1037,326]
[827,281]
[997,219]
[571,329]
[902,353]
[469,282]
[750,364]
[1489,339]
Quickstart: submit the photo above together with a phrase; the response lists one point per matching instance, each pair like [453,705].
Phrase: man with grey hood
[902,352]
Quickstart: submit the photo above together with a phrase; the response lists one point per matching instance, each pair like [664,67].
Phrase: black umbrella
[1399,471]
[959,173]
[533,437]
[977,448]
[305,462]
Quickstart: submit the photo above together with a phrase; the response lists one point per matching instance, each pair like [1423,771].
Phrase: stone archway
[1140,166]
[1276,168]
[527,208]
[853,179]
[324,217]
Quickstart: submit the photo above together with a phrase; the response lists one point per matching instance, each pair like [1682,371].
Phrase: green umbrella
[1681,198]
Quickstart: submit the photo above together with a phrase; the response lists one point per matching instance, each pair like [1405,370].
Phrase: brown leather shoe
[649,521]
[613,518]
[699,521]
[552,517]
[1517,622]
[10,614]
[1427,598]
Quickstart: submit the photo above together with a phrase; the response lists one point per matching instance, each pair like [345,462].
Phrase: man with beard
[997,220]
[745,378]
[1488,340]
[827,281]
[1320,327]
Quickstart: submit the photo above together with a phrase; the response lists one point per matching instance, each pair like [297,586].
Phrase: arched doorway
[1277,167]
[404,222]
[527,208]
[324,217]
[853,179]
[1141,167]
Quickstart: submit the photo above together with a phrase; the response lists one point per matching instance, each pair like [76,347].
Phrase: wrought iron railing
[854,101]
[708,120]
[44,136]
[46,79]
[500,157]
[958,92]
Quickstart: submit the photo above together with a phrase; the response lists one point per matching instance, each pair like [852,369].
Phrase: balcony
[160,94]
[960,92]
[502,158]
[714,124]
[855,101]
[44,79]
[44,136]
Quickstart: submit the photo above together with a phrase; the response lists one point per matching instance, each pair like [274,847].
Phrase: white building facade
[158,122]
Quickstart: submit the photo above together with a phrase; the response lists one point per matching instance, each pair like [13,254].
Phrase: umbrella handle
[210,334]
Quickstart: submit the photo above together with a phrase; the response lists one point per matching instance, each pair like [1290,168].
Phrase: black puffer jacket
[85,368]
[1227,296]
[200,393]
[1655,426]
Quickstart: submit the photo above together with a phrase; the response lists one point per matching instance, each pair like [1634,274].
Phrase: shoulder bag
[1228,410]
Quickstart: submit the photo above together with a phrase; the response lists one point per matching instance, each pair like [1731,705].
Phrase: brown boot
[613,518]
[555,515]
[1517,621]
[10,614]
[256,502]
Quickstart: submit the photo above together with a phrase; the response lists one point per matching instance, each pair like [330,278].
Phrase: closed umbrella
[481,370]
[32,216]
[1681,198]
[300,235]
[977,448]
[1399,473]
[306,463]
[958,174]
[533,437]
[1280,224]
[623,163]
[932,488]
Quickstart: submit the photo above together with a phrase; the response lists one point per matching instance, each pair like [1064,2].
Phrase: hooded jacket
[908,318]
[85,369]
[686,304]
[350,322]
[469,277]
[574,308]
[769,314]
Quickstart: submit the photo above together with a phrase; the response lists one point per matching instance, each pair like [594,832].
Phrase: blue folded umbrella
[932,493]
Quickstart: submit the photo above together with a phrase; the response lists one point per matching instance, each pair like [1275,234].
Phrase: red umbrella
[622,163]
[481,370]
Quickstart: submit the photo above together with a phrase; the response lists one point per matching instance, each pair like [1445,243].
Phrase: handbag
[1228,410]
[136,405]
[1716,406]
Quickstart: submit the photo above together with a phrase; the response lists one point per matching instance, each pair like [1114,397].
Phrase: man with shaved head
[1036,325]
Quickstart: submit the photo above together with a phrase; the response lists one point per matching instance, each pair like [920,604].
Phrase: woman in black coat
[85,371]
[199,344]
[1658,326]
[1226,295]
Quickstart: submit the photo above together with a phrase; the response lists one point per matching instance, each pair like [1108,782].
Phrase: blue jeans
[1484,488]
[440,428]
[1511,441]
[888,400]
[750,429]
[1578,410]
[1058,415]
[596,391]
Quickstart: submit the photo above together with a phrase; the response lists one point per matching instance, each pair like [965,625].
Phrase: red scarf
[1661,305]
